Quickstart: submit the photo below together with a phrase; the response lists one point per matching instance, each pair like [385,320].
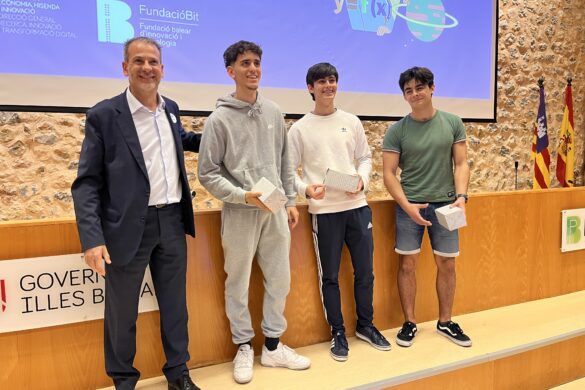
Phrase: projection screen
[66,55]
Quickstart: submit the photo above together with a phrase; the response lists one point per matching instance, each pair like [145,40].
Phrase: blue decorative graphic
[372,15]
[425,18]
[112,21]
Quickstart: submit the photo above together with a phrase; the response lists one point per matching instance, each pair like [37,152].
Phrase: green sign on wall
[573,230]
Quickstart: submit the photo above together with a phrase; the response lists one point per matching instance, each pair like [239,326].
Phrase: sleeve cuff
[240,196]
[302,190]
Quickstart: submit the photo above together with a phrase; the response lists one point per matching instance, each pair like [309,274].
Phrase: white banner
[573,230]
[55,290]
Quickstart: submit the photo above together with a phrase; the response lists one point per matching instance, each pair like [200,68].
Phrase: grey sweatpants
[245,233]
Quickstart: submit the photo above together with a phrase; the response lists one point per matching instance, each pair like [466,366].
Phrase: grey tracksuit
[242,143]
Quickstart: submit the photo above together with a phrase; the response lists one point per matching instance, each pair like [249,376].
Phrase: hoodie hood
[230,101]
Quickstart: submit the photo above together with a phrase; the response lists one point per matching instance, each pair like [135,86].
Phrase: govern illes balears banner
[55,290]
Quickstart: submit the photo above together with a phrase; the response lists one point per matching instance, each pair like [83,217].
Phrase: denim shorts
[409,234]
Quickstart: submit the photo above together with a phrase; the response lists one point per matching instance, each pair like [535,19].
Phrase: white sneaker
[243,364]
[284,356]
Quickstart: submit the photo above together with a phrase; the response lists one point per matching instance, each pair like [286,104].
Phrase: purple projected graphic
[425,18]
[370,41]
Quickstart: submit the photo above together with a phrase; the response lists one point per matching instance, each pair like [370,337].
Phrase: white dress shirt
[159,151]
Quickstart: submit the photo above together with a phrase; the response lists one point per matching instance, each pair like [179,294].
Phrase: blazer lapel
[128,130]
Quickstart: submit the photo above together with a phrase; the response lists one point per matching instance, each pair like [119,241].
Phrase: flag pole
[566,150]
[569,84]
[540,144]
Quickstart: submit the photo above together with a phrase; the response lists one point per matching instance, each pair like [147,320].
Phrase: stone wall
[39,151]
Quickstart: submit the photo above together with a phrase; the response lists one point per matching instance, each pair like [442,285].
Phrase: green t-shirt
[426,157]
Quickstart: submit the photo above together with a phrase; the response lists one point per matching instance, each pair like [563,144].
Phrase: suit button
[141,219]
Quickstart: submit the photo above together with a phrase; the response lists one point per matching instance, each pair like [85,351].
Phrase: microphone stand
[516,172]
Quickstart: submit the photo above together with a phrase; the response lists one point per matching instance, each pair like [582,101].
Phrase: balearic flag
[565,152]
[540,145]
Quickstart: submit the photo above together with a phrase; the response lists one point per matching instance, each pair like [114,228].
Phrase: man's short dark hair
[320,71]
[145,40]
[231,53]
[420,74]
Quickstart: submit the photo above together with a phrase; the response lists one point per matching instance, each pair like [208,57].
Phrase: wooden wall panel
[509,254]
[511,250]
[38,238]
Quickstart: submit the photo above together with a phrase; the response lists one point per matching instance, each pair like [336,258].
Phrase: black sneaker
[405,337]
[453,332]
[373,336]
[339,347]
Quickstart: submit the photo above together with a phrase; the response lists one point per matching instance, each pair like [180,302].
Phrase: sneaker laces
[376,335]
[455,327]
[187,382]
[242,359]
[288,353]
[408,328]
[339,338]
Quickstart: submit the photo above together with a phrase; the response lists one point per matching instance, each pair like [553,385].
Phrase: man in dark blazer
[133,209]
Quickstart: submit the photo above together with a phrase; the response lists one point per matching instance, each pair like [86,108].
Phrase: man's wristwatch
[464,196]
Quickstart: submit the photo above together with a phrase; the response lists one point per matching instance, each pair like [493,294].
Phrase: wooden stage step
[578,384]
[497,334]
